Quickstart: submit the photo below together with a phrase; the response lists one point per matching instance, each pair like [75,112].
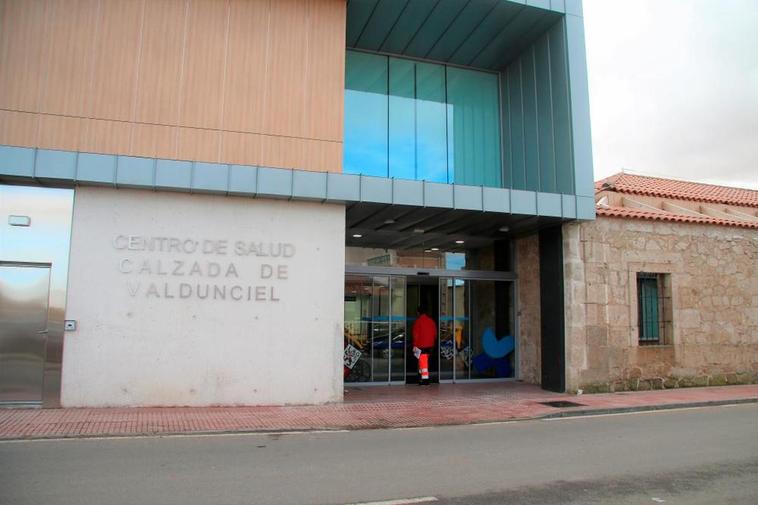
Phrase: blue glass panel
[431,123]
[402,119]
[366,114]
[474,127]
[422,121]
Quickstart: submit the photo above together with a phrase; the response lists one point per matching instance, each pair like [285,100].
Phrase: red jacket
[424,332]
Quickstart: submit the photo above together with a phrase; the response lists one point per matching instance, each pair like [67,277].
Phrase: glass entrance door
[475,328]
[374,345]
[485,345]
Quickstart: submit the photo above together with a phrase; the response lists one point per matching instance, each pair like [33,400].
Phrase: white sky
[674,88]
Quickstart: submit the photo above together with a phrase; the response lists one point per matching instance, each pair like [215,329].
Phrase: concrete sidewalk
[363,408]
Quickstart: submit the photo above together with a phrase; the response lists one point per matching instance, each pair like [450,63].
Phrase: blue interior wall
[537,131]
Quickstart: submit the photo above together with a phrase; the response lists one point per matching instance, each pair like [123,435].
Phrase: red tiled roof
[666,216]
[683,190]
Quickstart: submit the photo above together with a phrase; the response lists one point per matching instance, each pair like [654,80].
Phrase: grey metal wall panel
[407,192]
[574,7]
[516,119]
[496,200]
[17,161]
[585,207]
[580,106]
[128,171]
[549,204]
[133,171]
[541,4]
[343,187]
[523,202]
[558,5]
[55,165]
[171,174]
[274,182]
[243,180]
[564,164]
[96,168]
[531,138]
[468,197]
[438,195]
[309,185]
[568,206]
[210,177]
[546,145]
[376,189]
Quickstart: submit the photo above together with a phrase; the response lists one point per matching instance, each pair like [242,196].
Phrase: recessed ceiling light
[460,241]
[434,249]
[389,221]
[418,230]
[357,235]
[504,229]
[427,250]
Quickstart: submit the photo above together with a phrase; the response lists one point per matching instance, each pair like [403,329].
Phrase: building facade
[662,289]
[228,202]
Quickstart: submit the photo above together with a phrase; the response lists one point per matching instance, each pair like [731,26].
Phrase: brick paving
[363,408]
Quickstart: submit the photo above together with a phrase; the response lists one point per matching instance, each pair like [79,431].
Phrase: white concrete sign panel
[203,300]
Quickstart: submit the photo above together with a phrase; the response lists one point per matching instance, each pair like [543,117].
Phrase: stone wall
[714,295]
[528,269]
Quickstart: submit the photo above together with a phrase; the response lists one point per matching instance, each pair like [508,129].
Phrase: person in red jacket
[424,340]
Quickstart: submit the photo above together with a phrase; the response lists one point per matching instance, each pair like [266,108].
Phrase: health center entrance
[474,313]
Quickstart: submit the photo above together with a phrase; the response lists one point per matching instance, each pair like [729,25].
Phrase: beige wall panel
[199,145]
[203,75]
[21,39]
[59,132]
[18,128]
[153,141]
[107,137]
[326,69]
[117,51]
[67,57]
[323,156]
[161,61]
[287,70]
[283,152]
[240,148]
[245,88]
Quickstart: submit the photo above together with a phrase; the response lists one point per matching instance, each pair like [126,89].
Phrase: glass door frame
[440,274]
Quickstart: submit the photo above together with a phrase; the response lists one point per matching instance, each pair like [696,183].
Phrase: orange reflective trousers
[423,366]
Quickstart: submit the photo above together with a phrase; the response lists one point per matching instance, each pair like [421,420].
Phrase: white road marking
[402,501]
[658,500]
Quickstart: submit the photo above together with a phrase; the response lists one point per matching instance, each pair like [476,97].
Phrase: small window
[654,308]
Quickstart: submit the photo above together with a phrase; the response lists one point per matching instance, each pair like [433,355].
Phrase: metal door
[24,294]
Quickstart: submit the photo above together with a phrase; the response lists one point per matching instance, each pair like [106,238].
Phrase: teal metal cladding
[537,130]
[424,121]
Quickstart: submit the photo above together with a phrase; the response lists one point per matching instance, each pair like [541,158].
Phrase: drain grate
[562,403]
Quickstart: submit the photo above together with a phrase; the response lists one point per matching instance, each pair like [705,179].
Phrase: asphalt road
[695,456]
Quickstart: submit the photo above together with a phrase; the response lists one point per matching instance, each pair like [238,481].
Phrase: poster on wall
[351,356]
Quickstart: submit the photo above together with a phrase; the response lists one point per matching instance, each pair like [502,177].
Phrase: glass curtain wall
[374,345]
[419,120]
[477,332]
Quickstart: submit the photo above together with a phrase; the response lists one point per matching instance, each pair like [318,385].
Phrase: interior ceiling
[404,227]
[486,34]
